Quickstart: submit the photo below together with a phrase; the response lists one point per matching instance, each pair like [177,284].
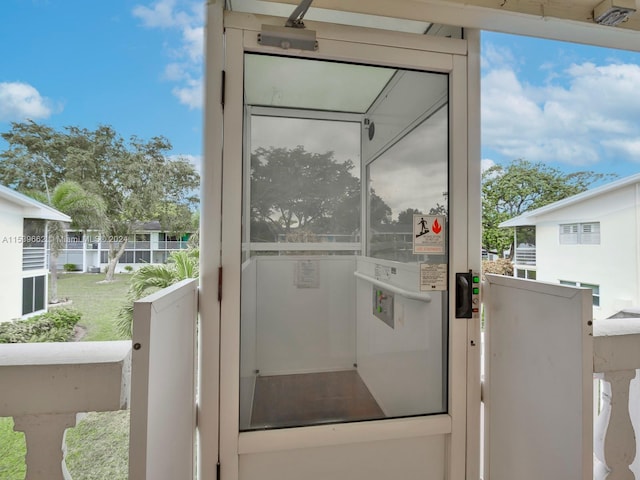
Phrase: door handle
[464,305]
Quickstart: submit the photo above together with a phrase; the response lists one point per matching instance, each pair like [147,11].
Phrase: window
[528,274]
[33,292]
[580,234]
[595,288]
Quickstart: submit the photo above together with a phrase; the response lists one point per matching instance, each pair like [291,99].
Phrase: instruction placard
[433,277]
[428,234]
[307,274]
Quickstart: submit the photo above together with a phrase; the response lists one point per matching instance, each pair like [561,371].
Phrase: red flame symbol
[436,227]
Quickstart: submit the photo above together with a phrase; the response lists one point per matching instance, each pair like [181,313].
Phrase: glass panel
[39,293]
[303,313]
[408,179]
[34,233]
[27,295]
[287,82]
[305,184]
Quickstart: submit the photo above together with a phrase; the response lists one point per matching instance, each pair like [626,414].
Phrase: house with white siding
[589,240]
[23,246]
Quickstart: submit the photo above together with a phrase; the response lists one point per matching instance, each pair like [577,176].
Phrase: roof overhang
[567,20]
[32,208]
[531,217]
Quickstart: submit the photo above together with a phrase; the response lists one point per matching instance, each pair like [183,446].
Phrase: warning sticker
[428,234]
[433,277]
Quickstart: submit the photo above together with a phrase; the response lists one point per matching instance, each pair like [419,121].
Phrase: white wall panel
[402,366]
[406,459]
[11,231]
[305,329]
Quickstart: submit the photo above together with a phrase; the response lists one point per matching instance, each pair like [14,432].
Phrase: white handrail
[422,297]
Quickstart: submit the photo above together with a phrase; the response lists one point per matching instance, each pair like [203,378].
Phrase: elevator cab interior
[344,166]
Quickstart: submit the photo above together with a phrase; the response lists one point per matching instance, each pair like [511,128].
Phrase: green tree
[136,179]
[296,189]
[180,265]
[86,209]
[520,186]
[405,217]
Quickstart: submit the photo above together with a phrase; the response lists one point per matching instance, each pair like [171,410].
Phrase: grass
[98,302]
[12,450]
[97,448]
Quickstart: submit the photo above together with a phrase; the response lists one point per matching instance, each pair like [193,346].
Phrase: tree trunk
[114,256]
[53,278]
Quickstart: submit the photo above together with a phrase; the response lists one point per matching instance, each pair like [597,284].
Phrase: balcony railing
[616,364]
[525,256]
[172,245]
[45,385]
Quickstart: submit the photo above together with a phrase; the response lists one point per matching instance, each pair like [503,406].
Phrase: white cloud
[191,94]
[19,101]
[187,17]
[582,115]
[195,160]
[486,164]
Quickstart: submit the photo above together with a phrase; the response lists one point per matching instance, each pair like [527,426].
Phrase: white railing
[172,245]
[45,385]
[525,256]
[616,364]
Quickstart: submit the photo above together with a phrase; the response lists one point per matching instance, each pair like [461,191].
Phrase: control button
[476,279]
[476,290]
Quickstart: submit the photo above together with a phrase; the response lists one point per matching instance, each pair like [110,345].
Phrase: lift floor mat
[311,399]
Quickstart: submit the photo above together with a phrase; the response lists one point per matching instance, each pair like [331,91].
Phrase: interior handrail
[420,296]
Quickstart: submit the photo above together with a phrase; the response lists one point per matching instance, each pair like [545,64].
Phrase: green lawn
[98,302]
[97,448]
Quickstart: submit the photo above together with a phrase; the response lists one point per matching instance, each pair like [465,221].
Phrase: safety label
[428,234]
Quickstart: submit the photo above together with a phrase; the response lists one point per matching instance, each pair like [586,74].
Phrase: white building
[89,251]
[589,240]
[23,236]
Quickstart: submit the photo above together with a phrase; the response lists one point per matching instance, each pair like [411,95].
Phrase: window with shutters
[580,233]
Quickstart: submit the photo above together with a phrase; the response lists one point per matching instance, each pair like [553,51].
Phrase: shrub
[128,268]
[501,266]
[69,267]
[54,326]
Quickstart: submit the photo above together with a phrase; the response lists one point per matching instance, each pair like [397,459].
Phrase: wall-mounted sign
[307,274]
[428,234]
[433,277]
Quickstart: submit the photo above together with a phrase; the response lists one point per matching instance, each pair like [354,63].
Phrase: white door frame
[356,45]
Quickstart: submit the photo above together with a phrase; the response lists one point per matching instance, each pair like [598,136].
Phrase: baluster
[619,439]
[44,435]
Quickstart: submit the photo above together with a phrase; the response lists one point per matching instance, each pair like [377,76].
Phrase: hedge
[54,326]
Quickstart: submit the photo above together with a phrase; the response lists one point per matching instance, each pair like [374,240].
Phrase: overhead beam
[454,12]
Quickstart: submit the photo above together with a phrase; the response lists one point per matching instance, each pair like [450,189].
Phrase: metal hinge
[219,284]
[223,88]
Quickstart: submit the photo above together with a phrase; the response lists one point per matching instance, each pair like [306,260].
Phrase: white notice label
[433,277]
[307,274]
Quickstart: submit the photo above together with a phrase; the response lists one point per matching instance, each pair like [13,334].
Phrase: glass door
[336,228]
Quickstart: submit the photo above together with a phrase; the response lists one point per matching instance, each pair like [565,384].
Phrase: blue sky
[137,65]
